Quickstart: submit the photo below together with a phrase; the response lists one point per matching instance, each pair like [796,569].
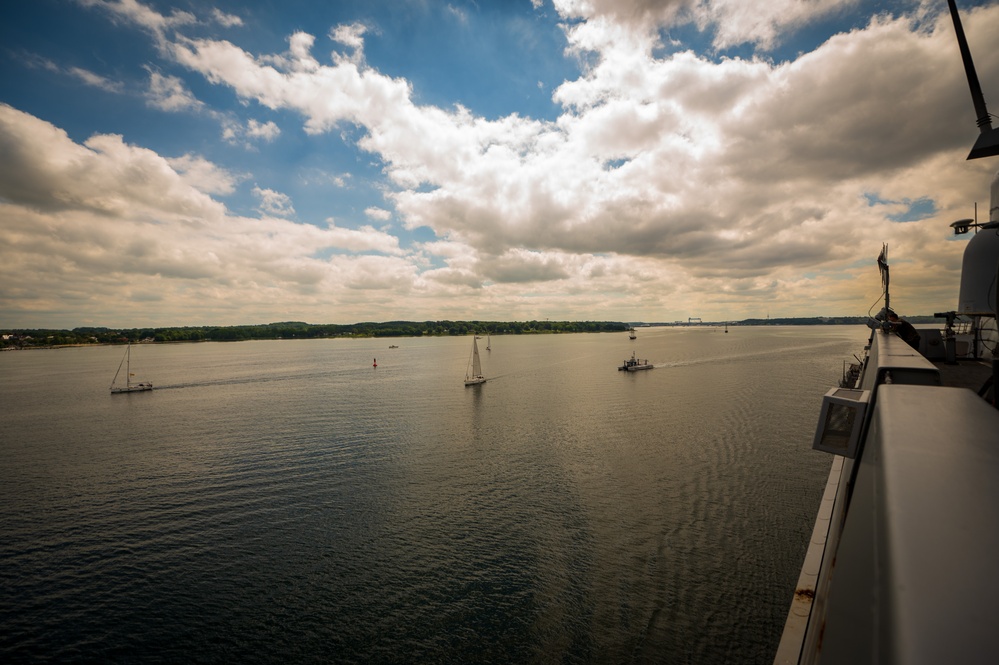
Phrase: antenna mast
[885,279]
[987,144]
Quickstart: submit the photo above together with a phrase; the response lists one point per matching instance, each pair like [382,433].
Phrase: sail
[476,365]
[125,360]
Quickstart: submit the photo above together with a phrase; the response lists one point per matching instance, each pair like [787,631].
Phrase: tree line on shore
[296,330]
[28,338]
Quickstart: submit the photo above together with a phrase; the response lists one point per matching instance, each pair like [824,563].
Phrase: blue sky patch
[915,209]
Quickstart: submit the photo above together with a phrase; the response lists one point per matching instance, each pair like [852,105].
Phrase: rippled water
[286,501]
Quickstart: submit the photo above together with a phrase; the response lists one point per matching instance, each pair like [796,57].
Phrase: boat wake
[735,357]
[274,378]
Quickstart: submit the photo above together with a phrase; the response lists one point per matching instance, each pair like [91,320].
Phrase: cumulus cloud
[203,175]
[327,95]
[668,177]
[168,93]
[733,22]
[736,168]
[521,265]
[364,239]
[43,168]
[378,213]
[132,11]
[274,203]
[762,24]
[91,226]
[267,131]
[226,20]
[351,35]
[236,132]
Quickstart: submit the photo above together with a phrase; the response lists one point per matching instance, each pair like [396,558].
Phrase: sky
[196,163]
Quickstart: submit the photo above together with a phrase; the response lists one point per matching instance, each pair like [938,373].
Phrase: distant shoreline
[20,338]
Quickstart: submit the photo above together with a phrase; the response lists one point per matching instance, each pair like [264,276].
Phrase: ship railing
[845,415]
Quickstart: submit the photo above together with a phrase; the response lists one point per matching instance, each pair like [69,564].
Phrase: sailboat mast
[476,365]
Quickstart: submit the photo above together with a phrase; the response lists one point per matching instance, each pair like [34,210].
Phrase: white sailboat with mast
[129,387]
[473,374]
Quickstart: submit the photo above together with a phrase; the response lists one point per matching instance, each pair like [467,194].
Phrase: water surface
[286,501]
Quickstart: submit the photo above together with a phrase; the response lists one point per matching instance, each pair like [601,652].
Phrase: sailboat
[473,375]
[488,343]
[129,387]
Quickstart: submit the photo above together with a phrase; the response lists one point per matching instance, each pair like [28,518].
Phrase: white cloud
[295,80]
[364,239]
[521,265]
[267,131]
[274,203]
[135,12]
[669,181]
[235,133]
[761,23]
[349,35]
[93,231]
[44,169]
[380,214]
[96,80]
[226,20]
[740,169]
[203,175]
[168,93]
[734,22]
